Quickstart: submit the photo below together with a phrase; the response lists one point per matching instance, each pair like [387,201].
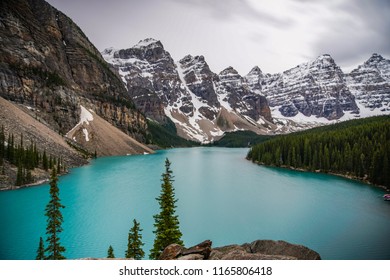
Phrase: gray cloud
[229,9]
[241,33]
[358,29]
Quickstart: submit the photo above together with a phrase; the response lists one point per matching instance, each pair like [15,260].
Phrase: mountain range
[204,105]
[59,92]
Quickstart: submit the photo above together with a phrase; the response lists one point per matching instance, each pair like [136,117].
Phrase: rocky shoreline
[256,250]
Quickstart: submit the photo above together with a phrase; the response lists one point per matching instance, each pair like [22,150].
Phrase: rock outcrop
[256,250]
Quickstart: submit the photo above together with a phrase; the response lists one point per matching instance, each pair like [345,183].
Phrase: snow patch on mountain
[85,117]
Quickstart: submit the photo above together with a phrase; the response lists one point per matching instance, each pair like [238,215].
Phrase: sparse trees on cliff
[54,221]
[166,222]
[134,245]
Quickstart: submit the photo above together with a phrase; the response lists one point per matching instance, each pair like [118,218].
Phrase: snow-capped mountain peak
[255,71]
[146,43]
[203,105]
[370,83]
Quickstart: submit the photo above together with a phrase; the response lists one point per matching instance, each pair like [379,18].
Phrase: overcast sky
[275,35]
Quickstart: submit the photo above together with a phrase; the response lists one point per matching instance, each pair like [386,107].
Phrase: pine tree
[54,221]
[134,245]
[110,253]
[40,250]
[59,166]
[45,163]
[19,175]
[2,144]
[166,222]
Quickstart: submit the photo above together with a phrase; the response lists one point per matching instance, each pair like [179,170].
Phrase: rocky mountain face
[313,89]
[370,83]
[16,120]
[320,92]
[49,70]
[48,65]
[240,97]
[150,75]
[202,104]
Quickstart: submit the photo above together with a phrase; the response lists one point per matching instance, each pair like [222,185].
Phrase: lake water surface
[221,197]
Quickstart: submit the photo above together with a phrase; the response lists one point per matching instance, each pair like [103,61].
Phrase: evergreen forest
[24,158]
[358,148]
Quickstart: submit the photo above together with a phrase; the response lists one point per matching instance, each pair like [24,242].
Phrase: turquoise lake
[221,197]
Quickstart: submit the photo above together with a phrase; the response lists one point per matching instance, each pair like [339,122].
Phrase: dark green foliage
[240,139]
[357,148]
[54,221]
[134,245]
[25,158]
[45,161]
[2,145]
[165,135]
[40,250]
[110,253]
[19,175]
[166,222]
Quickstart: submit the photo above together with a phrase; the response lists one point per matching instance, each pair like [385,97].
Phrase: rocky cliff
[49,71]
[48,64]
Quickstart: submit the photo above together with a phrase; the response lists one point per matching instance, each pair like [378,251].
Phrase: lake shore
[346,176]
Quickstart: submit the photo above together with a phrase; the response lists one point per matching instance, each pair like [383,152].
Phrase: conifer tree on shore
[134,245]
[166,224]
[40,250]
[110,253]
[54,221]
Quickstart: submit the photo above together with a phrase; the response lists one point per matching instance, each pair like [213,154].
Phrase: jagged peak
[378,56]
[375,58]
[189,58]
[109,51]
[375,61]
[146,43]
[324,57]
[255,71]
[229,70]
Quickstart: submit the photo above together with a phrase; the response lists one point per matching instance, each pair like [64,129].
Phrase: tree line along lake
[221,196]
